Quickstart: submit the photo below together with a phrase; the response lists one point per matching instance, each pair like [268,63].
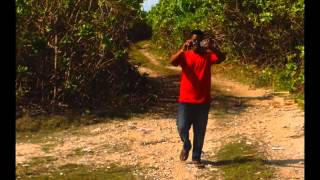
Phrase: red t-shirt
[195,81]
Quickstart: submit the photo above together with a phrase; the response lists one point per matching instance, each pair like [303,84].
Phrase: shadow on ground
[284,163]
[166,105]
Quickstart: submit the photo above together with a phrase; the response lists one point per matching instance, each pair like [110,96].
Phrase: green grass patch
[48,147]
[37,165]
[76,171]
[241,161]
[84,172]
[299,98]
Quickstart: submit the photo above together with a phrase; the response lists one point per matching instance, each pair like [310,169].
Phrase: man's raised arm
[177,57]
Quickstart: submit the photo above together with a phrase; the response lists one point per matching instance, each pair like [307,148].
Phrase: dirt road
[274,123]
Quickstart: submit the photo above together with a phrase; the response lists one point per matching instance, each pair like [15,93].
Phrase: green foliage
[107,42]
[290,78]
[21,69]
[172,21]
[121,54]
[73,52]
[269,34]
[85,30]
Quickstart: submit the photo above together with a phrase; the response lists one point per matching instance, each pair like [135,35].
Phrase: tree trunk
[55,66]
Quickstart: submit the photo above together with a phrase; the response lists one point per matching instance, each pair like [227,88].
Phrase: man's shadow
[283,163]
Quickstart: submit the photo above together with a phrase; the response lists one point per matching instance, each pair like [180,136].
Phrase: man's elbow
[174,63]
[221,59]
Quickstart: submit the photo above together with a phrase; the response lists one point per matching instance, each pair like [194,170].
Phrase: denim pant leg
[199,130]
[184,124]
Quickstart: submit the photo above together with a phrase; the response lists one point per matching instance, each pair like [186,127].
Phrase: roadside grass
[51,136]
[32,137]
[41,168]
[36,166]
[246,74]
[299,99]
[44,128]
[53,122]
[253,77]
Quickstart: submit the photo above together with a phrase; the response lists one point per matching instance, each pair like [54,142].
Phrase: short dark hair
[197,32]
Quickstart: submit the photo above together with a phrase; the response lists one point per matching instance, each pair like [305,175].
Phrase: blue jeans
[197,116]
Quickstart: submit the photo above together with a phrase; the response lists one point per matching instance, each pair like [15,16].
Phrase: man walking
[194,99]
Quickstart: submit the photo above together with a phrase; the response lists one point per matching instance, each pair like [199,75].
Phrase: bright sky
[147,4]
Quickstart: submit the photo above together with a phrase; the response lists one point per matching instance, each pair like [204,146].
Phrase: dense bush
[73,53]
[269,34]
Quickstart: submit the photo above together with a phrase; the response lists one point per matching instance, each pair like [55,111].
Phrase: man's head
[196,37]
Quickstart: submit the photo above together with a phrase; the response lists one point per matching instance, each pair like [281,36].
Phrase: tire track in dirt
[155,62]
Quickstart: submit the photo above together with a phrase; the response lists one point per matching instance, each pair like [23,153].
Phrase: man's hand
[186,45]
[177,57]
